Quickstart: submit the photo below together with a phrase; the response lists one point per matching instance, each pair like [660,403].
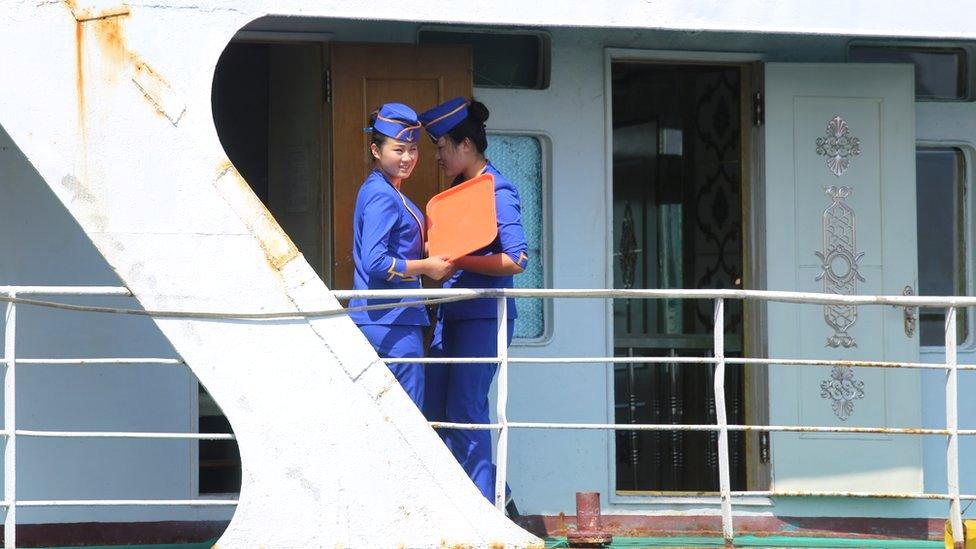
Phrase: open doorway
[270,113]
[290,116]
[678,142]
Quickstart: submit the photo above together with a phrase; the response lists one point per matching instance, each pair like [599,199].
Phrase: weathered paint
[861,528]
[90,11]
[278,248]
[576,86]
[158,92]
[333,453]
[107,27]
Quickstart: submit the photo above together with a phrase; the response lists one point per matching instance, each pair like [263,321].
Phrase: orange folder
[462,220]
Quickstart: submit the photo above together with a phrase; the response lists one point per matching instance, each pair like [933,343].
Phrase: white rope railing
[9,294]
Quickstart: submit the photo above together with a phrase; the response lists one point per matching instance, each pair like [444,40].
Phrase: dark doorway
[677,178]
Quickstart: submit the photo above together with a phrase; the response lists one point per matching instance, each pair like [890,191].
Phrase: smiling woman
[388,246]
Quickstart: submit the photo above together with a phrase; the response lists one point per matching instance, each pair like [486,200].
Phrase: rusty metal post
[589,526]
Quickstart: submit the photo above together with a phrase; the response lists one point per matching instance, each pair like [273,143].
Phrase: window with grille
[521,159]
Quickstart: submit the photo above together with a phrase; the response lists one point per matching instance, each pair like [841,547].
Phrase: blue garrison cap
[442,118]
[398,121]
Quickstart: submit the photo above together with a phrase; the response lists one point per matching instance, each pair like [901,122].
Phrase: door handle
[910,314]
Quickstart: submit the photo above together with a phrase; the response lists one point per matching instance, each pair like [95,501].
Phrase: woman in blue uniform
[458,393]
[388,246]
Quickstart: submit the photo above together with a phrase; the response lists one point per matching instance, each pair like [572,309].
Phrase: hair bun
[478,112]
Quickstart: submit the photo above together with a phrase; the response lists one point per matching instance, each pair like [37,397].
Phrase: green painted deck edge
[757,541]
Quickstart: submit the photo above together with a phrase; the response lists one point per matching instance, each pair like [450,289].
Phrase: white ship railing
[721,426]
[10,431]
[14,296]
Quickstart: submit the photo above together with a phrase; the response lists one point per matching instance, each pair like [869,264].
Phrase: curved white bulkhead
[116,118]
[110,101]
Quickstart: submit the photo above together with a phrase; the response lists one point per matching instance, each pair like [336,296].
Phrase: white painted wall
[333,452]
[546,467]
[43,245]
[571,112]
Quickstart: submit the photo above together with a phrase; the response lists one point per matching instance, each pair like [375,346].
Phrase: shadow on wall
[43,245]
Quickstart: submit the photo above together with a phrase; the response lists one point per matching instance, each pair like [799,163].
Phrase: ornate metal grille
[678,219]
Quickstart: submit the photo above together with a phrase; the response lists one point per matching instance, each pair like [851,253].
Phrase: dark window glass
[501,60]
[941,204]
[220,460]
[940,73]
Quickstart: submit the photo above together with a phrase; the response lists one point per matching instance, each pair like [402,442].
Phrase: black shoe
[510,509]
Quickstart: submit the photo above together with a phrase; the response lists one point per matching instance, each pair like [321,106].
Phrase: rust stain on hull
[80,76]
[91,13]
[278,247]
[159,93]
[111,40]
[118,60]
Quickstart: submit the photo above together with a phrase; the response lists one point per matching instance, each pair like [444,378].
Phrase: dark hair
[472,127]
[376,138]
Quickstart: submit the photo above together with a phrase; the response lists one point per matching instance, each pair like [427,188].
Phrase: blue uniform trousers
[458,393]
[398,341]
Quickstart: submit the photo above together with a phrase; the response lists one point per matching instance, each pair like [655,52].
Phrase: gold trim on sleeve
[393,273]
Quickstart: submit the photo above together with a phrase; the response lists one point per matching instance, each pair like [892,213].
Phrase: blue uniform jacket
[388,229]
[510,240]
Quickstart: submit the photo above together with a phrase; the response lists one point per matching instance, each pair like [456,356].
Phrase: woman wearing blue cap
[388,246]
[458,393]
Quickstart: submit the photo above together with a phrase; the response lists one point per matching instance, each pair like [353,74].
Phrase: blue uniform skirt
[401,342]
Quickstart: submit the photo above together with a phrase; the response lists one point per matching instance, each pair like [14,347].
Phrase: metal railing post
[952,425]
[10,425]
[724,482]
[501,455]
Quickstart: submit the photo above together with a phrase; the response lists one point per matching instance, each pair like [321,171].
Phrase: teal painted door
[840,218]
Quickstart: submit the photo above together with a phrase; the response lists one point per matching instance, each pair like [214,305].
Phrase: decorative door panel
[840,216]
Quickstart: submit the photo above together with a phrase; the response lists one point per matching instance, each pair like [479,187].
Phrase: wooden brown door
[364,76]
